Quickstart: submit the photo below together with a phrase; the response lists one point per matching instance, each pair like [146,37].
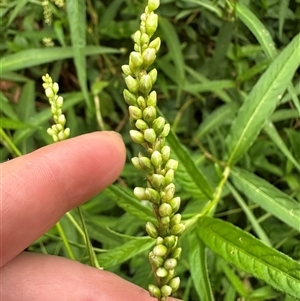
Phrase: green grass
[228,84]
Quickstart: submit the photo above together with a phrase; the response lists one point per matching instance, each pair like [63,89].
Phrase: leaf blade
[250,254]
[261,102]
[267,196]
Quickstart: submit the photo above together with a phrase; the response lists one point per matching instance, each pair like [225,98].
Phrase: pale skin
[35,192]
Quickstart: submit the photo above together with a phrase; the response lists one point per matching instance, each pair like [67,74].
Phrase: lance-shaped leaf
[268,197]
[251,255]
[261,101]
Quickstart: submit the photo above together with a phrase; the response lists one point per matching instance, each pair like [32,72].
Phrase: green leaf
[235,281]
[257,228]
[198,267]
[251,255]
[7,123]
[76,11]
[171,38]
[264,38]
[35,57]
[125,252]
[216,118]
[267,196]
[257,28]
[207,5]
[210,86]
[273,134]
[261,102]
[17,9]
[6,108]
[129,203]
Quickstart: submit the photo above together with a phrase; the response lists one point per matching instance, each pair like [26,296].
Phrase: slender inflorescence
[150,131]
[57,131]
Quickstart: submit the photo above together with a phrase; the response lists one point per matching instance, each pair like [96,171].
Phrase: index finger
[38,188]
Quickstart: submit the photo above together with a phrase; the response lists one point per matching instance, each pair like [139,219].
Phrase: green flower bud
[170,264]
[67,133]
[61,136]
[169,176]
[137,37]
[156,159]
[155,44]
[154,291]
[149,135]
[129,97]
[55,138]
[153,76]
[141,124]
[165,221]
[175,203]
[165,131]
[160,250]
[153,5]
[148,56]
[136,163]
[170,241]
[59,101]
[174,284]
[151,24]
[152,195]
[135,59]
[152,99]
[169,192]
[149,114]
[50,131]
[171,164]
[145,84]
[62,119]
[146,164]
[151,230]
[176,219]
[157,181]
[137,136]
[165,153]
[49,92]
[141,102]
[156,261]
[135,113]
[177,229]
[58,127]
[126,70]
[132,84]
[166,290]
[159,241]
[158,125]
[161,272]
[176,253]
[165,210]
[139,192]
[144,39]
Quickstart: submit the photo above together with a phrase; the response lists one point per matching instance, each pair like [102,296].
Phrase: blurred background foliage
[208,63]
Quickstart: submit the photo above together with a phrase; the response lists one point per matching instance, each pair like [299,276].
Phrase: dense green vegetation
[228,83]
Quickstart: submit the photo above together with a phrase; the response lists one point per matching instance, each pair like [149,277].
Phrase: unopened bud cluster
[57,131]
[47,11]
[150,131]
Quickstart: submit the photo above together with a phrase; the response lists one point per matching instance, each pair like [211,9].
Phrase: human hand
[36,190]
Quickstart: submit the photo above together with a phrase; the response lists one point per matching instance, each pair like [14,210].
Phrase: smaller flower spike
[57,131]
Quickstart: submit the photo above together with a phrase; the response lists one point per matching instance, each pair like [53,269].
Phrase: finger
[38,188]
[49,278]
